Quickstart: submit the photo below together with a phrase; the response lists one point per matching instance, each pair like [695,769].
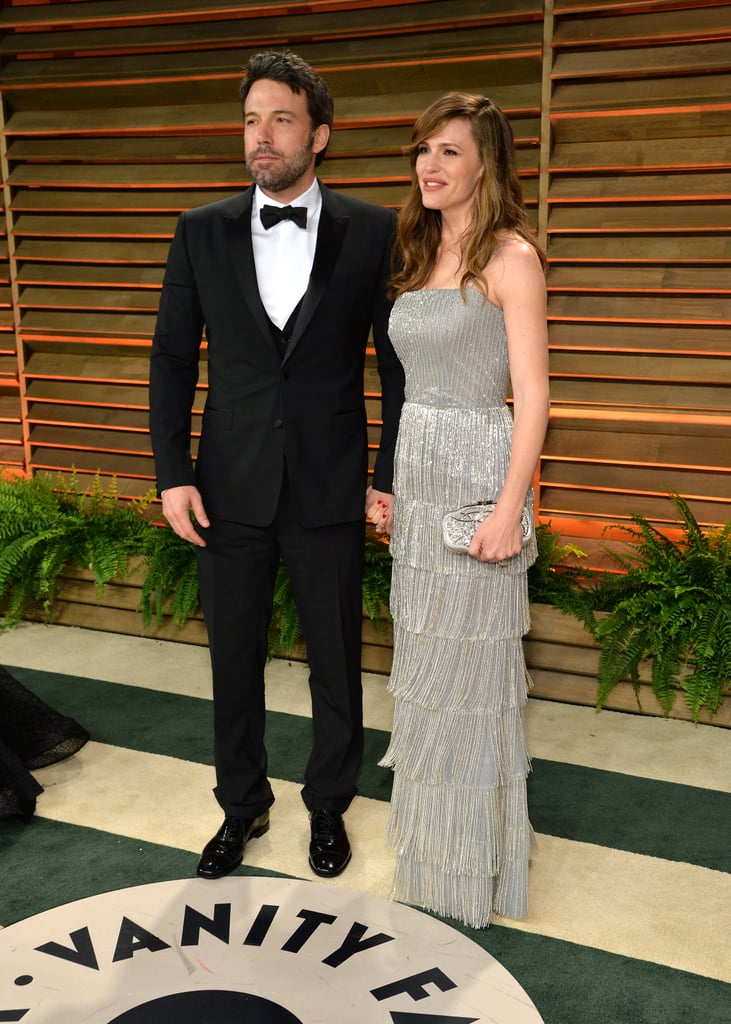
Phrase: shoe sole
[211,875]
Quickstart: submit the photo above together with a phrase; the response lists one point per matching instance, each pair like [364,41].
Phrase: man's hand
[379,509]
[177,504]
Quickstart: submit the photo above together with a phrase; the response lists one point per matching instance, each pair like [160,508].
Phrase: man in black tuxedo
[287,297]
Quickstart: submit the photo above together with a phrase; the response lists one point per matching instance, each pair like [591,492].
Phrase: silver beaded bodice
[454,353]
[456,429]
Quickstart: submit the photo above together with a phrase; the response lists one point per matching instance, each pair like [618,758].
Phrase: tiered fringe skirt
[458,816]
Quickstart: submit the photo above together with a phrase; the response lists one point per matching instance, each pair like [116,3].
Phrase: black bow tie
[271,215]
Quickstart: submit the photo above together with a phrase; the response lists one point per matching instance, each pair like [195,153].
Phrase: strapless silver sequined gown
[458,817]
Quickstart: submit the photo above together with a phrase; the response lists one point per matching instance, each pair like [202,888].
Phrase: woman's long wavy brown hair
[498,200]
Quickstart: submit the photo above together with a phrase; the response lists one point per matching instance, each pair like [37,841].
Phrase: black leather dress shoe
[329,847]
[225,851]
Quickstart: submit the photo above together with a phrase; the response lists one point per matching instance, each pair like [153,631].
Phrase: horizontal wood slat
[628,278]
[687,23]
[672,122]
[668,248]
[642,156]
[602,505]
[668,308]
[607,93]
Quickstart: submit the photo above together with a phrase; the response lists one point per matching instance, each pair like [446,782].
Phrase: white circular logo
[249,949]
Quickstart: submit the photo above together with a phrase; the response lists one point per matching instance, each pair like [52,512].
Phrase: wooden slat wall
[638,220]
[119,115]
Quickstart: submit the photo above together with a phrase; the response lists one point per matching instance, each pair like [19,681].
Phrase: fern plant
[284,629]
[44,528]
[47,526]
[170,574]
[549,580]
[377,581]
[670,605]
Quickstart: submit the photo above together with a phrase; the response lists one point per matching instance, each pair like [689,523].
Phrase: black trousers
[237,571]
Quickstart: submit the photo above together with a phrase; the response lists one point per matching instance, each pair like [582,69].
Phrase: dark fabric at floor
[32,735]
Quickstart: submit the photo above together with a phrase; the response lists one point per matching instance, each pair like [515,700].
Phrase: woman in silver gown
[468,323]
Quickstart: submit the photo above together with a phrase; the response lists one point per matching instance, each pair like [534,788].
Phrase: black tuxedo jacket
[261,408]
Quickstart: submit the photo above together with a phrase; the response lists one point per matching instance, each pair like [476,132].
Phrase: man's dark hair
[290,69]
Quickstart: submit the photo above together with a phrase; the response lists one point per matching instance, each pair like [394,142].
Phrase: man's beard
[285,173]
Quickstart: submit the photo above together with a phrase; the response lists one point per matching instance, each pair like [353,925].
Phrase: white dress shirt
[284,253]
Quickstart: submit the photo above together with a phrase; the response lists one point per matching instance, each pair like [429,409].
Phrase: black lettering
[414,985]
[132,937]
[82,954]
[352,944]
[262,924]
[312,921]
[193,922]
[430,1018]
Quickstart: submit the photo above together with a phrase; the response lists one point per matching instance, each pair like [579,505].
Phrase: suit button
[278,424]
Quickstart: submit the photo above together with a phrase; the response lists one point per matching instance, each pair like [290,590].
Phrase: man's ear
[320,138]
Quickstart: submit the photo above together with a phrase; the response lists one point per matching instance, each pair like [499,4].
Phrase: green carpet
[569,984]
[640,823]
[639,815]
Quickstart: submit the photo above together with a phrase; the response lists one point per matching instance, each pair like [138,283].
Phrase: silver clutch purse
[459,525]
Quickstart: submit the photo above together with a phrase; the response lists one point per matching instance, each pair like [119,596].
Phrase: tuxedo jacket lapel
[238,229]
[330,234]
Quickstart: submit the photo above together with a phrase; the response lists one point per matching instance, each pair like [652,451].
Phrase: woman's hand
[379,510]
[496,539]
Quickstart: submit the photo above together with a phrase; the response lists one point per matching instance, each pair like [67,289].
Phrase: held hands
[177,504]
[379,509]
